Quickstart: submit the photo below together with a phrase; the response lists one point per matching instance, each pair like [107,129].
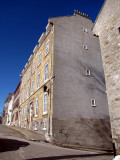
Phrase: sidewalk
[28,134]
[35,136]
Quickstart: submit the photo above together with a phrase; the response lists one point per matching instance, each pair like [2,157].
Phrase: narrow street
[14,146]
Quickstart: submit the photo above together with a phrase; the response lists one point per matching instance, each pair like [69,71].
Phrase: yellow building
[36,88]
[63,90]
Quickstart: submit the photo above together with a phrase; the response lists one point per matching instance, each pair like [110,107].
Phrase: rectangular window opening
[85,47]
[93,103]
[87,72]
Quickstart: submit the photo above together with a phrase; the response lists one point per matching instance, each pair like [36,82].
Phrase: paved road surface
[13,146]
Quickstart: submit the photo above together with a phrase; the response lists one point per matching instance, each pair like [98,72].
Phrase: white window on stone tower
[87,72]
[85,47]
[85,30]
[93,102]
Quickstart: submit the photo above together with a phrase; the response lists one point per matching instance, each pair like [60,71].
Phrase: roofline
[99,13]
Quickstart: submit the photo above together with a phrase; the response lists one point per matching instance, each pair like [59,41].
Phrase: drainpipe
[50,89]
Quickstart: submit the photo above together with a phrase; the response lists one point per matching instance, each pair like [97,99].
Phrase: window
[24,96]
[85,30]
[47,47]
[31,109]
[27,91]
[46,72]
[93,103]
[87,72]
[85,47]
[35,126]
[44,125]
[36,108]
[29,74]
[20,98]
[33,67]
[39,59]
[22,84]
[45,104]
[25,79]
[25,112]
[32,85]
[38,80]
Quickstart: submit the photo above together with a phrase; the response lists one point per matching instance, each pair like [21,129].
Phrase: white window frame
[87,72]
[93,102]
[45,103]
[24,96]
[47,48]
[20,98]
[32,86]
[39,58]
[85,30]
[85,46]
[22,84]
[44,125]
[29,74]
[35,126]
[36,108]
[38,80]
[33,66]
[46,78]
[25,112]
[28,88]
[25,79]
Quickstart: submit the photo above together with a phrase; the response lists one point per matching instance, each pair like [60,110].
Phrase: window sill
[44,113]
[44,129]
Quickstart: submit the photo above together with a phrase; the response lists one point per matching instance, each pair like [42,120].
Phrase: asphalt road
[13,146]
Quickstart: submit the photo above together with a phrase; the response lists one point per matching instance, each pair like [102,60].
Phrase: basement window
[87,72]
[44,125]
[93,103]
[85,47]
[35,126]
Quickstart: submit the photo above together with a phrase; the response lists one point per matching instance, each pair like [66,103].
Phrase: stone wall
[107,28]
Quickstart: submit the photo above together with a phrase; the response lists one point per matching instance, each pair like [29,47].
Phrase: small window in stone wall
[87,72]
[93,103]
[85,30]
[85,47]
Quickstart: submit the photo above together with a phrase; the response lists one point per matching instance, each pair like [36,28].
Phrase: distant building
[7,111]
[62,91]
[107,27]
[15,111]
[0,119]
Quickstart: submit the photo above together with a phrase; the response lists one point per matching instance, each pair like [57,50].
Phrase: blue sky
[21,24]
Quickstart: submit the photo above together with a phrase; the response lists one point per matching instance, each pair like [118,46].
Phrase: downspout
[50,90]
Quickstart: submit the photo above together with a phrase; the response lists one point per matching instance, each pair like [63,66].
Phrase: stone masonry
[107,27]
